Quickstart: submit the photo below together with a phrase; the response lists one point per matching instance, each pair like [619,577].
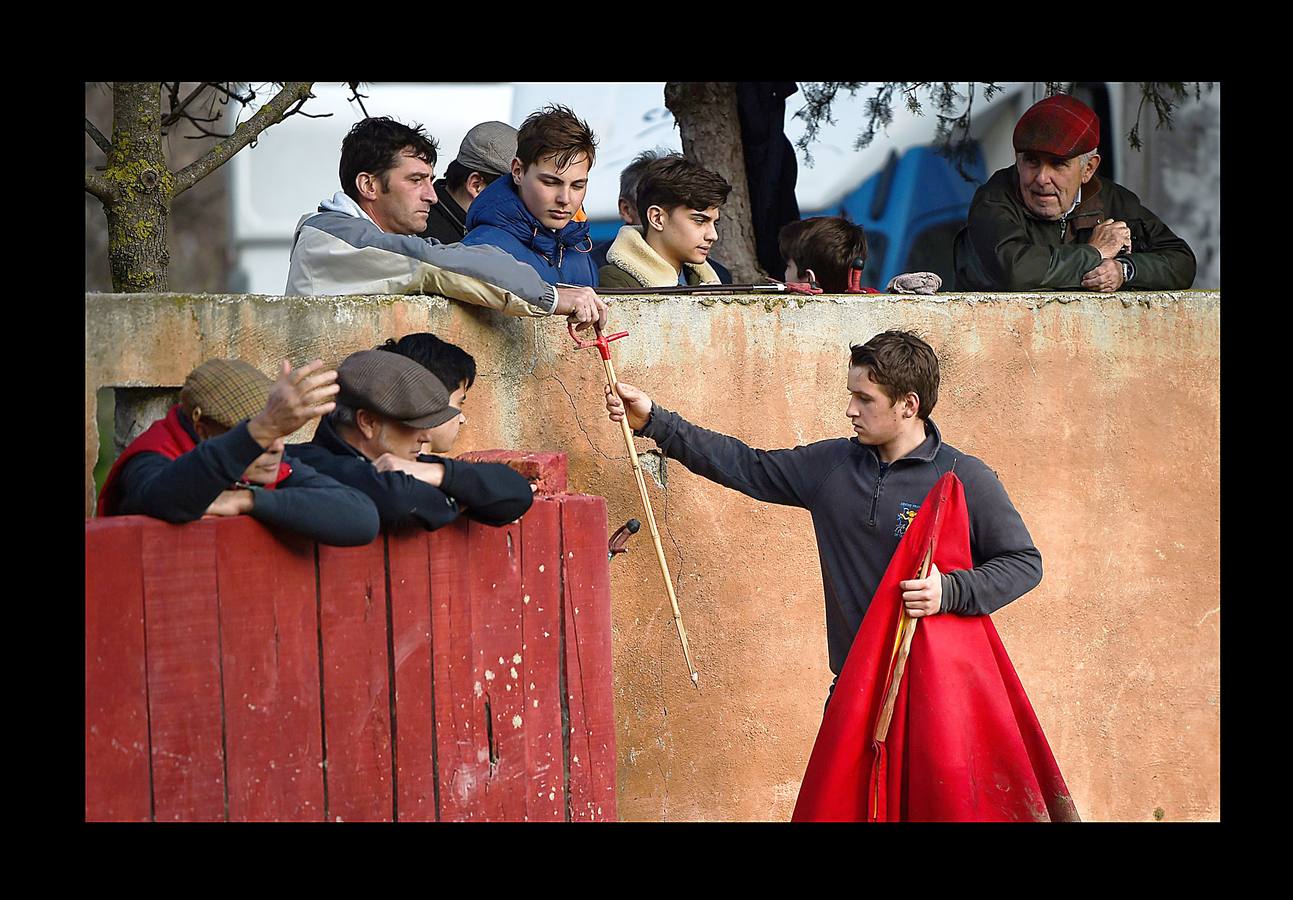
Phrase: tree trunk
[711,136]
[141,190]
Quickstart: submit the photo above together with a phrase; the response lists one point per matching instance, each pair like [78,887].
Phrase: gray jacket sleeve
[334,254]
[1006,563]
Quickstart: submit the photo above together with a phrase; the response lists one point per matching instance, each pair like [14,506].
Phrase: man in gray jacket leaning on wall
[365,239]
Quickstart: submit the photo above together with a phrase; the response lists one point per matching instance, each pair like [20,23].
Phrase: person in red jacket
[220,451]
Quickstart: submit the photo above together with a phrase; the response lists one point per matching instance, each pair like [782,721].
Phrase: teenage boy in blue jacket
[537,214]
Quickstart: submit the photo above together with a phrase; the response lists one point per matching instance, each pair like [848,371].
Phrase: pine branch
[97,136]
[273,112]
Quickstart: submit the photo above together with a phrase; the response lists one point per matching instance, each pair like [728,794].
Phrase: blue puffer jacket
[498,218]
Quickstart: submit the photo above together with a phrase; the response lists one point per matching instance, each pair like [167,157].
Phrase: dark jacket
[491,493]
[1003,247]
[771,168]
[861,508]
[307,502]
[447,222]
[498,218]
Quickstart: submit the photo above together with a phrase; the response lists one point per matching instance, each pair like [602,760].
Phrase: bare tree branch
[97,185]
[357,97]
[293,92]
[97,136]
[177,112]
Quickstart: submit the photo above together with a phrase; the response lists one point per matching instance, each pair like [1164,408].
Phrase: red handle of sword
[603,342]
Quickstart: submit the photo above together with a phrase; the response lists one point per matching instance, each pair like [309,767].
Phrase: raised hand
[296,398]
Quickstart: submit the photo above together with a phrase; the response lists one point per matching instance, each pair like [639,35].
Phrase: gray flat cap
[394,386]
[489,148]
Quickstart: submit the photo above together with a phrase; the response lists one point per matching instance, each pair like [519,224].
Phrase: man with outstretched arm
[220,452]
[863,491]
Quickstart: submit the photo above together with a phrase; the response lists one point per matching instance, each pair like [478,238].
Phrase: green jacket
[1003,247]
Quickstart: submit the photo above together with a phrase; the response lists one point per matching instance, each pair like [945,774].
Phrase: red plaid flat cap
[1061,126]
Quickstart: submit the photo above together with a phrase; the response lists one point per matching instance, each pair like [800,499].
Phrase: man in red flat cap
[1049,223]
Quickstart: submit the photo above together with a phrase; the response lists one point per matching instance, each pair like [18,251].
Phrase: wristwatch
[1128,270]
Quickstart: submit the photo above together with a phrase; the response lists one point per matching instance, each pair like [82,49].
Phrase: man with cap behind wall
[220,452]
[484,154]
[1050,223]
[388,407]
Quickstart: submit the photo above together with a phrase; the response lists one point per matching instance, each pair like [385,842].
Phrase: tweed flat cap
[1061,125]
[393,386]
[490,148]
[225,391]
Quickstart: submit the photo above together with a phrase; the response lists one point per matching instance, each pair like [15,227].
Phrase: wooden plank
[588,665]
[462,749]
[116,682]
[408,558]
[181,623]
[496,618]
[270,666]
[356,686]
[544,788]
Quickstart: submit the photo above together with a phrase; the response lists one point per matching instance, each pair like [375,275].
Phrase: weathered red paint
[546,470]
[540,667]
[409,565]
[181,616]
[236,617]
[269,653]
[586,578]
[116,688]
[356,686]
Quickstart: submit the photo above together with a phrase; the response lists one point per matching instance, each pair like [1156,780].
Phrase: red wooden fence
[237,674]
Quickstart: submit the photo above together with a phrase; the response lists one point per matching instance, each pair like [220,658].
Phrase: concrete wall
[1100,414]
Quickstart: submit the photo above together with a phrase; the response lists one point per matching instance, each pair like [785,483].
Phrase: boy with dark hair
[365,239]
[456,369]
[825,250]
[678,207]
[537,215]
[864,491]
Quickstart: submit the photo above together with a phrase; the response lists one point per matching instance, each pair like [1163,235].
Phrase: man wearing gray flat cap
[387,408]
[485,154]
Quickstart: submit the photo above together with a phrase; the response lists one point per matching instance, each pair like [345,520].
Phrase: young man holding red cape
[863,493]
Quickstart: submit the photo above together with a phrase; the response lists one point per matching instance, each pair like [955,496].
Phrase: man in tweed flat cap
[485,153]
[1050,223]
[387,408]
[220,452]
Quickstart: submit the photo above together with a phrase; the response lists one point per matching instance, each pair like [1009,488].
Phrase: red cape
[964,744]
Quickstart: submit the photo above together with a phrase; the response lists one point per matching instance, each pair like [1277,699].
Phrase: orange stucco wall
[1100,414]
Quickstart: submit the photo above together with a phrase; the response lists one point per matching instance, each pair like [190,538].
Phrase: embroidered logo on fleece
[906,513]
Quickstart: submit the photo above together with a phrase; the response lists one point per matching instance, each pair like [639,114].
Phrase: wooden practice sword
[603,345]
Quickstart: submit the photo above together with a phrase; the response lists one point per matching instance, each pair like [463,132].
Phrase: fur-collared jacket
[632,263]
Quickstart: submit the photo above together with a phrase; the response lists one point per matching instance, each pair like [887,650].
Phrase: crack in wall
[578,421]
